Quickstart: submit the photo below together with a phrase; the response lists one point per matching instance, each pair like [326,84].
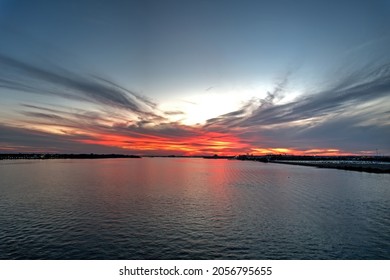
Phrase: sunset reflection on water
[189,208]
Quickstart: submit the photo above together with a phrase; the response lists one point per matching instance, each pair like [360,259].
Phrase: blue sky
[247,76]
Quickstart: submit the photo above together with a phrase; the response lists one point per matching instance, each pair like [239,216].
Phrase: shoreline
[365,166]
[62,156]
[351,163]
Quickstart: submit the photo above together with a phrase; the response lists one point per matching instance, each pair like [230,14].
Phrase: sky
[195,77]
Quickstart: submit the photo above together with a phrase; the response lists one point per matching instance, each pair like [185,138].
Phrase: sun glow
[204,143]
[213,102]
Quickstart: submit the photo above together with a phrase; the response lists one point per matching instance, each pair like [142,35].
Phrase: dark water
[166,208]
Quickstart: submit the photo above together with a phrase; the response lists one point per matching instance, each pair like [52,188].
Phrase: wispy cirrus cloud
[57,81]
[354,90]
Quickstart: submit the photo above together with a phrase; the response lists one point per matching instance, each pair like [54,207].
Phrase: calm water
[167,208]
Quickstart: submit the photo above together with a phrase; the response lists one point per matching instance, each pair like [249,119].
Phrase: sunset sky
[195,77]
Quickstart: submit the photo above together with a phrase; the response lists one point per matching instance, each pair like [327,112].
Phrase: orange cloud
[200,143]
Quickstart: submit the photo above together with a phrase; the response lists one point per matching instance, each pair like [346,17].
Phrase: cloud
[86,131]
[57,81]
[22,139]
[43,115]
[173,113]
[351,115]
[138,126]
[376,84]
[336,116]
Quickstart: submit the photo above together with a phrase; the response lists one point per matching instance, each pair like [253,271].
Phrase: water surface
[181,208]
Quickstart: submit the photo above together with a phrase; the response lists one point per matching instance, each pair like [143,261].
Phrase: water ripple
[190,209]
